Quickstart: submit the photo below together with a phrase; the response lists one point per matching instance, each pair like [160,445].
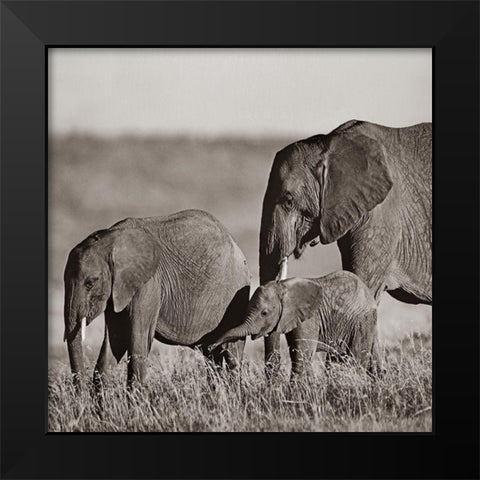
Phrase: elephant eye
[288,202]
[264,313]
[90,283]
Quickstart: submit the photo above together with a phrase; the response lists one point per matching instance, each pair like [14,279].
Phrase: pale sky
[236,91]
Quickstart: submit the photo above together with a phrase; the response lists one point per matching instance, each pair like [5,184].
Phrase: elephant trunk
[75,352]
[273,268]
[270,255]
[74,326]
[276,243]
[241,331]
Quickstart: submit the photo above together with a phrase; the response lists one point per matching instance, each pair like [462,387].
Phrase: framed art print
[219,239]
[153,132]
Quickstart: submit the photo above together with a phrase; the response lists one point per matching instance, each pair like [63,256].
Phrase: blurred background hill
[150,132]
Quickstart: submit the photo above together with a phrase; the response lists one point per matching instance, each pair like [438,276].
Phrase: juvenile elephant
[180,279]
[336,314]
[369,188]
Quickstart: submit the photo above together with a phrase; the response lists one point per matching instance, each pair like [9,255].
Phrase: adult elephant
[366,186]
[180,279]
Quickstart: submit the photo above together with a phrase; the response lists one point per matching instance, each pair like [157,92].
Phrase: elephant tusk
[282,275]
[84,326]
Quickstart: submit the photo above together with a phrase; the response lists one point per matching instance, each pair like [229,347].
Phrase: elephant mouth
[299,249]
[258,335]
[302,245]
[310,238]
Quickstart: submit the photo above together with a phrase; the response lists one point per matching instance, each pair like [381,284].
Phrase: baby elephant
[336,314]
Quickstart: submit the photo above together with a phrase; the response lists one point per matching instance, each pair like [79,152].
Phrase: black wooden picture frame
[29,28]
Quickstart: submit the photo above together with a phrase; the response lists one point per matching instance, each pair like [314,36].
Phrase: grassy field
[94,182]
[178,398]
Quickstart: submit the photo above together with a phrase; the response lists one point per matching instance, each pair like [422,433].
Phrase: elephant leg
[233,317]
[115,343]
[104,361]
[375,368]
[272,355]
[138,351]
[328,363]
[143,315]
[361,347]
[365,347]
[119,331]
[302,343]
[233,354]
[213,363]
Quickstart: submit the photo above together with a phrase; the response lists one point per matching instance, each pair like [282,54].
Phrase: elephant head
[107,264]
[275,307]
[320,187]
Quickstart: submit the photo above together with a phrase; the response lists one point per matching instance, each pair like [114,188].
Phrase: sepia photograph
[239,240]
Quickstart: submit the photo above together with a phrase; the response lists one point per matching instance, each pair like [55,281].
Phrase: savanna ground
[178,397]
[94,182]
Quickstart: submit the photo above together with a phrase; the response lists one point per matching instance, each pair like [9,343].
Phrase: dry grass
[178,397]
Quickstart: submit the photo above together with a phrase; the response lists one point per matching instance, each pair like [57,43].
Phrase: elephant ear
[354,178]
[298,300]
[135,258]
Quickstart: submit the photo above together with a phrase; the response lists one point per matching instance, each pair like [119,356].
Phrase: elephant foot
[99,404]
[98,381]
[272,366]
[137,371]
[376,372]
[213,376]
[232,363]
[301,375]
[78,381]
